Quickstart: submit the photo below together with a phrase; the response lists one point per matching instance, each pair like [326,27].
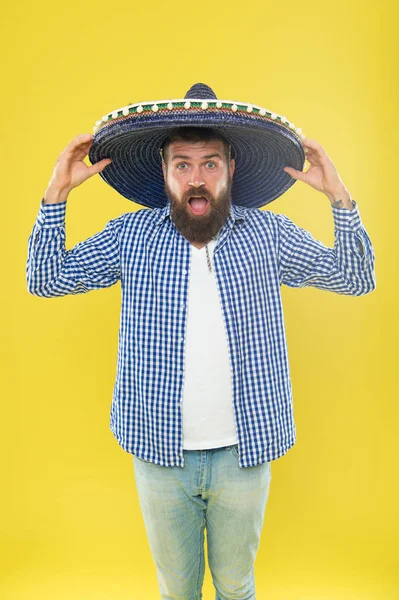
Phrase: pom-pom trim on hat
[191,105]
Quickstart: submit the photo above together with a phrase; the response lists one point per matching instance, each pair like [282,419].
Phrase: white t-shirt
[207,406]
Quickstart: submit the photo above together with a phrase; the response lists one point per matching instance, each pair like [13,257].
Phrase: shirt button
[182,339]
[184,272]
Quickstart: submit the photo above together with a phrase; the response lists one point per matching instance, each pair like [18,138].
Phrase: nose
[196,179]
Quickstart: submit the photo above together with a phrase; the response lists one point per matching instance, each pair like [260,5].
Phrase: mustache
[199,192]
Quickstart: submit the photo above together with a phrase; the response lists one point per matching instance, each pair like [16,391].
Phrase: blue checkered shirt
[256,252]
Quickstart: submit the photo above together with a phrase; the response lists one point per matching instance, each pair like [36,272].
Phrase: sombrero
[262,141]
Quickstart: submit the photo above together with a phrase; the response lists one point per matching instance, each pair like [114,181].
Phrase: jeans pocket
[234,450]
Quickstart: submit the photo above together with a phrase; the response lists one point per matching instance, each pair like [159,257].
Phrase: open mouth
[198,205]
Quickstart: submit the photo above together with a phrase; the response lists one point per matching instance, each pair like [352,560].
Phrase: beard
[200,228]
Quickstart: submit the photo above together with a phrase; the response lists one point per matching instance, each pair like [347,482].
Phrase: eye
[210,164]
[181,165]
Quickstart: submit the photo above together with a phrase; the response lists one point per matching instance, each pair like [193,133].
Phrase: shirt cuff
[52,215]
[346,219]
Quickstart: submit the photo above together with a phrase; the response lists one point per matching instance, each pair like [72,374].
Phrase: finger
[313,147]
[315,156]
[78,141]
[310,142]
[99,166]
[295,174]
[77,149]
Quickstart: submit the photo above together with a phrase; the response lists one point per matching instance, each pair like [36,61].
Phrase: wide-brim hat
[262,141]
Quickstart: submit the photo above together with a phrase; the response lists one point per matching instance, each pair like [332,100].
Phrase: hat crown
[199,91]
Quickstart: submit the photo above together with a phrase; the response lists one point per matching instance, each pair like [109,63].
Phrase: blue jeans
[211,491]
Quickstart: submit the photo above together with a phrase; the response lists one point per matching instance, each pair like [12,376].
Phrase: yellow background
[70,519]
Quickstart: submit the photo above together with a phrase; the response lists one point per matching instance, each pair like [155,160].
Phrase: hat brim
[262,148]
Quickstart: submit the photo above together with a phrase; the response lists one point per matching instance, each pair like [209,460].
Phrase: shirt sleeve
[51,270]
[347,268]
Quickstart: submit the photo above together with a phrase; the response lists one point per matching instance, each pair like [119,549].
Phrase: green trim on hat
[189,105]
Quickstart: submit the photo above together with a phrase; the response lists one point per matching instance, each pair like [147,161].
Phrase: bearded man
[203,397]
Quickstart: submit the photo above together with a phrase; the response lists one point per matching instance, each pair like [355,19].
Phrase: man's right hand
[70,169]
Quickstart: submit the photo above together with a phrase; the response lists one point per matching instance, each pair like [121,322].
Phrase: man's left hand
[322,175]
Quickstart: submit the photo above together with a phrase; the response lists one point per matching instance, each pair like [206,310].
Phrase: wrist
[55,195]
[340,198]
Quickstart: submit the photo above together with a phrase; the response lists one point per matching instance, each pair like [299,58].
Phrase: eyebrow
[207,156]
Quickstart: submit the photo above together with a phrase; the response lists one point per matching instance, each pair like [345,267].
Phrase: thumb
[295,174]
[99,166]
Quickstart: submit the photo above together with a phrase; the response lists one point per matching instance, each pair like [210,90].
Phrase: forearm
[348,268]
[52,270]
[55,195]
[354,251]
[46,251]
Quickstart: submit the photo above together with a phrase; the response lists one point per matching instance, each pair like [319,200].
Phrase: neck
[200,245]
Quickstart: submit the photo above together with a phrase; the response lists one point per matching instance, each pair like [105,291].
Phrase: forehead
[196,149]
